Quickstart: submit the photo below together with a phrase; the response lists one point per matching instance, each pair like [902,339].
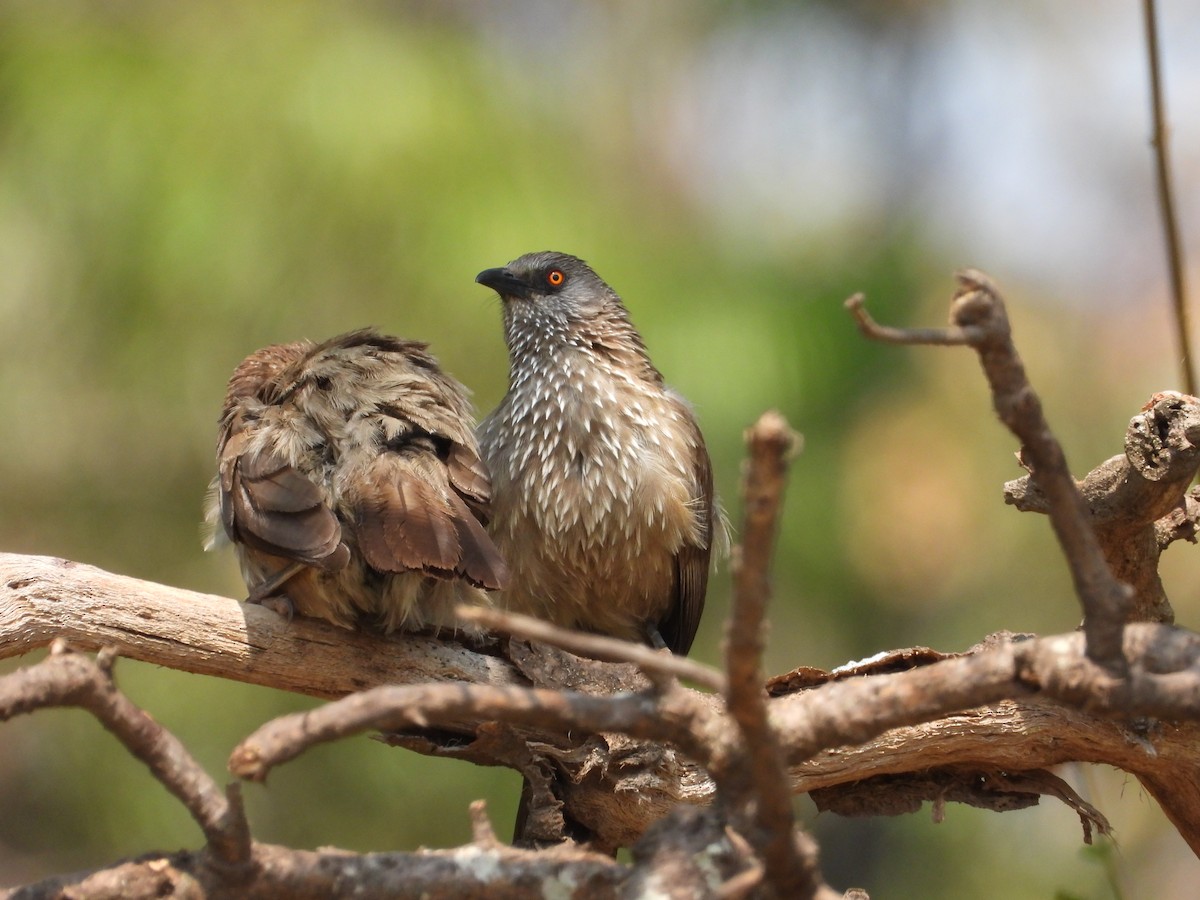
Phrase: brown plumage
[350,482]
[603,491]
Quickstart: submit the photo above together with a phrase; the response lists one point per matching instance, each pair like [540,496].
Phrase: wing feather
[403,524]
[480,562]
[692,562]
[271,506]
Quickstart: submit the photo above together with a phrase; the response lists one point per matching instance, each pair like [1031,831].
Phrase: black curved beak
[504,283]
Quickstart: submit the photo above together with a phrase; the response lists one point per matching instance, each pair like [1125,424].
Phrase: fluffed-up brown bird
[603,501]
[350,483]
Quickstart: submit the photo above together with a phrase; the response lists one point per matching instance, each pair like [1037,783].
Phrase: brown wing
[480,562]
[264,502]
[408,517]
[678,629]
[430,492]
[470,479]
[401,521]
[268,505]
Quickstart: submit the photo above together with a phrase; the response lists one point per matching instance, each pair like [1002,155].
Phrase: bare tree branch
[43,598]
[1137,501]
[652,716]
[473,872]
[836,715]
[790,859]
[997,790]
[979,319]
[1164,683]
[68,679]
[828,718]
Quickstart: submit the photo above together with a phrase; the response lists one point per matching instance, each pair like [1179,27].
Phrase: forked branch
[979,319]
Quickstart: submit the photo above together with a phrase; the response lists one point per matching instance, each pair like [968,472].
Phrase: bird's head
[551,287]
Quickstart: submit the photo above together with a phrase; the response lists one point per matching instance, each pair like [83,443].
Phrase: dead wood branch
[43,598]
[756,787]
[1004,721]
[995,790]
[979,319]
[687,856]
[68,679]
[1137,501]
[650,716]
[471,872]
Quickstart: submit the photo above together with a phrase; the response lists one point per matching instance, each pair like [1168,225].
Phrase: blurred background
[181,184]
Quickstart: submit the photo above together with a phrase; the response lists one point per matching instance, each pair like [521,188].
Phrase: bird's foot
[264,594]
[279,604]
[654,639]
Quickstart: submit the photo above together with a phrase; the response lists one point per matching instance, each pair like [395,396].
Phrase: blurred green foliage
[181,184]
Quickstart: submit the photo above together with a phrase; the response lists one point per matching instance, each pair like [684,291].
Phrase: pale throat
[583,439]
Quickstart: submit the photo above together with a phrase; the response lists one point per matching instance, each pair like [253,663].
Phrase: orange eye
[554,277]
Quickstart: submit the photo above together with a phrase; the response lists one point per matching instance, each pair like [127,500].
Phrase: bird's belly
[594,555]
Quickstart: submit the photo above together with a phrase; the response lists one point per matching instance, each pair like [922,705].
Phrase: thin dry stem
[939,337]
[1166,198]
[595,646]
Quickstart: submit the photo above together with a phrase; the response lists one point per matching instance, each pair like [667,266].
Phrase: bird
[350,483]
[603,502]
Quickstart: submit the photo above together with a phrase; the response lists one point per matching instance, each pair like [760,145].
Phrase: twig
[977,315]
[791,873]
[937,337]
[749,878]
[845,713]
[70,679]
[482,832]
[1166,197]
[1047,783]
[652,716]
[595,646]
